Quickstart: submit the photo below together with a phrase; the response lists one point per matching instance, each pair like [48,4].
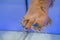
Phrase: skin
[37,14]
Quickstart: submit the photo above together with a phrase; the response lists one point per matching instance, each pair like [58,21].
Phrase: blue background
[12,12]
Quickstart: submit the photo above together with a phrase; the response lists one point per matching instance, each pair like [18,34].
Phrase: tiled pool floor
[12,35]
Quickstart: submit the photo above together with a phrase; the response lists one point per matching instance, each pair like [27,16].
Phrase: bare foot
[36,14]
